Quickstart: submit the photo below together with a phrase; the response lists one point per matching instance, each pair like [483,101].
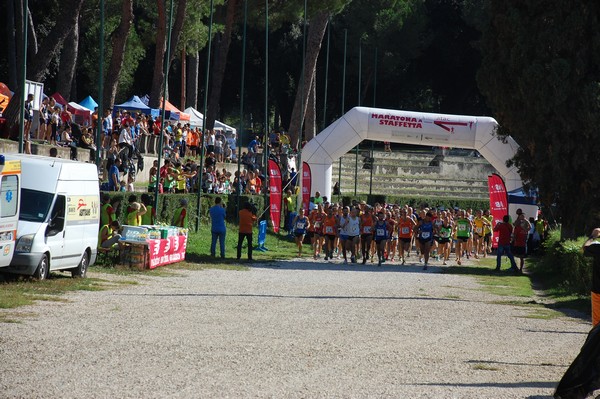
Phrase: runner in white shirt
[350,233]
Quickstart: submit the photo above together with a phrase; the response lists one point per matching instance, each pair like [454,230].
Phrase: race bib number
[462,227]
[405,230]
[317,225]
[479,230]
[328,230]
[367,229]
[300,225]
[381,232]
[425,234]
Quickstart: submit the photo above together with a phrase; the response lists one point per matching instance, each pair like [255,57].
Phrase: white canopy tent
[196,119]
[361,123]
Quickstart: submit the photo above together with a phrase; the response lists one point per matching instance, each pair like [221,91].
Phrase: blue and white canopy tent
[134,104]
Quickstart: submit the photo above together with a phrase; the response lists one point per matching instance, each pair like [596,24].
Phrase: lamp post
[24,78]
[203,140]
[239,140]
[100,88]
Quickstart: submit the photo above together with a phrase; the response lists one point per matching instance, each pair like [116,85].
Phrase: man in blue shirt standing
[114,176]
[217,217]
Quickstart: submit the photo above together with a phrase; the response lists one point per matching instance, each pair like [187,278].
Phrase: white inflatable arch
[361,123]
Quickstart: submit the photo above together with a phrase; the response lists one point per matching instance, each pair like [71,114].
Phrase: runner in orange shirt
[329,231]
[405,233]
[316,223]
[366,232]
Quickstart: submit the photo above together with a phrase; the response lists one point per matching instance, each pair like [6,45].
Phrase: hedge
[564,265]
[167,203]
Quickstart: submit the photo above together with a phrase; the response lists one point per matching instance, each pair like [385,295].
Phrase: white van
[58,217]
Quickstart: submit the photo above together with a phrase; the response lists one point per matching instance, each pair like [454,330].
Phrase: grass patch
[561,295]
[198,254]
[452,297]
[22,291]
[15,317]
[485,367]
[502,283]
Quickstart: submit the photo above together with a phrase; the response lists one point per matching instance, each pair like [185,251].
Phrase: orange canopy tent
[5,96]
[170,107]
[4,100]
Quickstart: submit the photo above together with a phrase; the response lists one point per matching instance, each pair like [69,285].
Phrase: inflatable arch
[361,123]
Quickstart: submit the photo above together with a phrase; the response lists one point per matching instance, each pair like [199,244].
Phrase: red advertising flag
[275,194]
[498,201]
[306,183]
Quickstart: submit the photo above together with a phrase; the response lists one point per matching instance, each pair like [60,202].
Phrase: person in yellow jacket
[149,217]
[109,235]
[134,217]
[180,216]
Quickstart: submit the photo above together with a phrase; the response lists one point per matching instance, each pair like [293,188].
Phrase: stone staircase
[457,174]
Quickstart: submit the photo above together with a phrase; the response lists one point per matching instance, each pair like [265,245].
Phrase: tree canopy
[541,76]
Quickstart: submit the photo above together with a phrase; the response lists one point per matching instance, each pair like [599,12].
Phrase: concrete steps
[416,174]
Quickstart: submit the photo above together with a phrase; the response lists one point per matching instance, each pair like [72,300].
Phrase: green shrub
[564,266]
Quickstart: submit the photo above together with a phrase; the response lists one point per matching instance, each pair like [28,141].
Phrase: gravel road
[299,330]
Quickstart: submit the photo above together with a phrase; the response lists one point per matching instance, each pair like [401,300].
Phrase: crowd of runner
[387,233]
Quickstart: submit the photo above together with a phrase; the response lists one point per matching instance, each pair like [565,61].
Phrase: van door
[10,197]
[55,232]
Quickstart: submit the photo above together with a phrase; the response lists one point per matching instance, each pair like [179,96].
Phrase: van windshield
[35,205]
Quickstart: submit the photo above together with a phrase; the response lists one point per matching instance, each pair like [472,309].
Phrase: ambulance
[58,208]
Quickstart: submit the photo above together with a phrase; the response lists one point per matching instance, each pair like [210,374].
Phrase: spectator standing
[232,143]
[126,140]
[107,212]
[592,248]
[134,217]
[149,217]
[504,230]
[246,220]
[210,141]
[218,229]
[180,216]
[113,176]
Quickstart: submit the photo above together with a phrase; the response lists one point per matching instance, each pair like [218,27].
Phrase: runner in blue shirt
[382,234]
[300,225]
[425,236]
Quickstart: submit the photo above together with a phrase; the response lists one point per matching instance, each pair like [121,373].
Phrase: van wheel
[81,270]
[43,269]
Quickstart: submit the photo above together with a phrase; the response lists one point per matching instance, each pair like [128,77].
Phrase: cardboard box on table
[148,247]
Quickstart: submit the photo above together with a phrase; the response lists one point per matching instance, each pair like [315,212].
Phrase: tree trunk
[310,128]
[118,43]
[158,77]
[159,56]
[177,28]
[220,62]
[68,63]
[191,87]
[48,49]
[51,45]
[316,30]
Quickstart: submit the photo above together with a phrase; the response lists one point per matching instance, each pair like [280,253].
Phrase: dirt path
[301,330]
